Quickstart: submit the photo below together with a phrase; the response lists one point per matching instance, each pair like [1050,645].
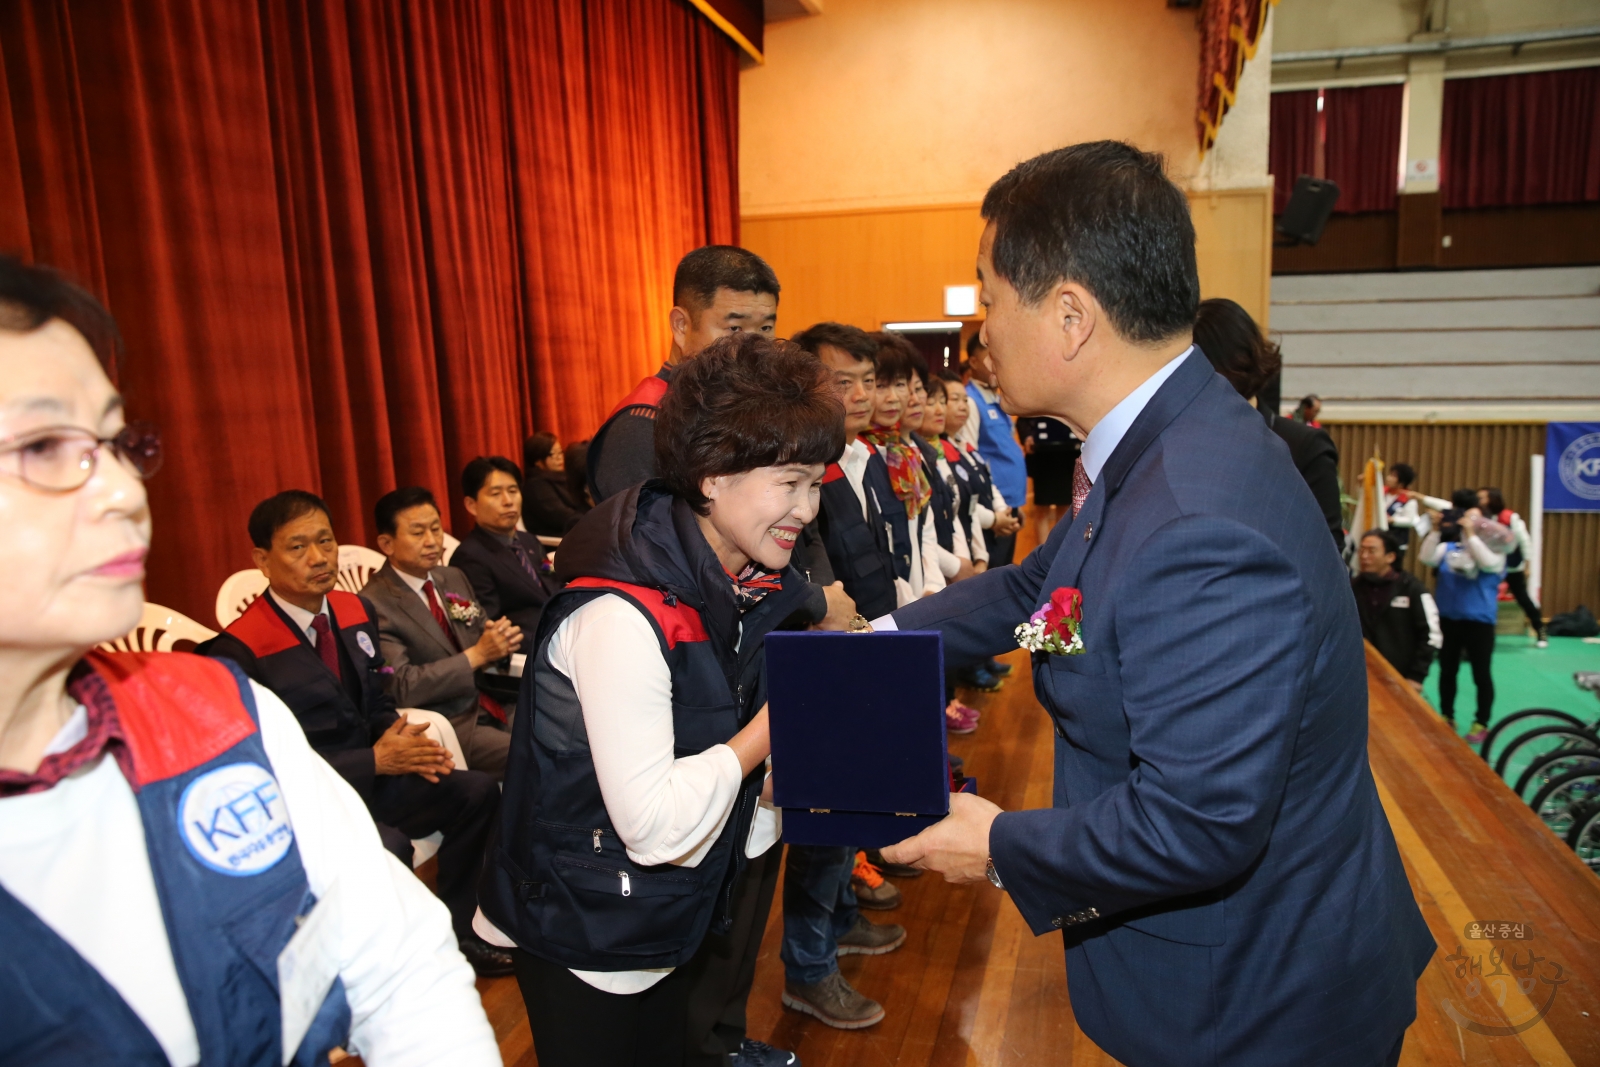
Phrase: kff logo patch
[234,819]
[1579,467]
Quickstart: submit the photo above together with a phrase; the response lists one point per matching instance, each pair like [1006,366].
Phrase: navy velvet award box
[858,735]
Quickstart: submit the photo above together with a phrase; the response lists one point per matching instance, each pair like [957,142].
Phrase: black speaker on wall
[1308,209]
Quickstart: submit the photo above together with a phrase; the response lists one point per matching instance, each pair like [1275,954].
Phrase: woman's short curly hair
[744,402]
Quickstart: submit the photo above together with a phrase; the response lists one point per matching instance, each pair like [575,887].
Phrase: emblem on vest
[234,819]
[366,643]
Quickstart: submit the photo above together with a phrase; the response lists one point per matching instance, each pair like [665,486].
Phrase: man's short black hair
[1404,473]
[1103,215]
[852,340]
[705,270]
[1390,546]
[390,505]
[477,472]
[1464,499]
[276,512]
[31,296]
[747,401]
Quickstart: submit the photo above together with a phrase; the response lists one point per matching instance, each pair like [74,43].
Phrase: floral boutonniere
[1057,627]
[461,609]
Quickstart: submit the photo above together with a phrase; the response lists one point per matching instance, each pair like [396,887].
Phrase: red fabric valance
[1229,32]
[1521,139]
[354,245]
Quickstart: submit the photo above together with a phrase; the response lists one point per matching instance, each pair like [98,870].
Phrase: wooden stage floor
[972,986]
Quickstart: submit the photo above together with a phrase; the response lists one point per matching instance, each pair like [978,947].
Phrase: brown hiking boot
[834,1002]
[871,890]
[871,939]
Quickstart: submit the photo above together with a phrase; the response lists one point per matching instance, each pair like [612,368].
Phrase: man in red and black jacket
[316,647]
[716,290]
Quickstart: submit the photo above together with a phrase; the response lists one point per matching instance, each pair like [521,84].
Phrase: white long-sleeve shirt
[75,855]
[664,809]
[1485,559]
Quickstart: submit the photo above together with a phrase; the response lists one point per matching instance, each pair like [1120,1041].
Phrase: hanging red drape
[1229,33]
[1362,130]
[1291,142]
[1521,139]
[353,245]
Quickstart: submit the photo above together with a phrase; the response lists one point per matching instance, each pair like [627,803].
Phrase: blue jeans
[819,907]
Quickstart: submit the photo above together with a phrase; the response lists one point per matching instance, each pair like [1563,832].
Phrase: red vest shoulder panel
[262,629]
[832,474]
[650,391]
[679,622]
[347,608]
[177,710]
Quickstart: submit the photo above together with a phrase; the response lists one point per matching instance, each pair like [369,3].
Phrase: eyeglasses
[60,459]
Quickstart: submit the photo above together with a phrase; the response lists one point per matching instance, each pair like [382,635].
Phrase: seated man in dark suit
[506,566]
[317,648]
[433,633]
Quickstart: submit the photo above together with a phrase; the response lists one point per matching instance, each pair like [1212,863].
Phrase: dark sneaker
[753,1053]
[871,939]
[893,870]
[490,961]
[984,679]
[834,1002]
[998,669]
[871,890]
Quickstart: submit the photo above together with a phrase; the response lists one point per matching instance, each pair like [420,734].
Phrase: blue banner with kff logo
[1572,466]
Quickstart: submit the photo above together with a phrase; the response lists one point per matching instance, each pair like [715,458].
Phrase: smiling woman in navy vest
[165,830]
[637,759]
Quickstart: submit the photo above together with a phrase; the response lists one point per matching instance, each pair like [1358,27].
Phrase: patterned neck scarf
[907,477]
[752,584]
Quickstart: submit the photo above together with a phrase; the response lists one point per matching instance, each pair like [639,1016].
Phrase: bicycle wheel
[1553,765]
[1498,731]
[1538,741]
[1584,837]
[1557,803]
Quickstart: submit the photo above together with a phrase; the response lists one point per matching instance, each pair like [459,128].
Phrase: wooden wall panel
[891,264]
[1450,456]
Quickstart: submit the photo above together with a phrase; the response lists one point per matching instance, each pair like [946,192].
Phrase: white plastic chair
[440,730]
[450,546]
[237,593]
[159,628]
[356,565]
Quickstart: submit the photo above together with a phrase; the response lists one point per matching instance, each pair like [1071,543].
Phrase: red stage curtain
[1521,139]
[1229,33]
[1362,128]
[1291,142]
[353,245]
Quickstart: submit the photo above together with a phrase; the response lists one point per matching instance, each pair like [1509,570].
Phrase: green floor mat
[1526,677]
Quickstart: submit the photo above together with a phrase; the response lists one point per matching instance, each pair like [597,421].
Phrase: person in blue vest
[997,443]
[634,791]
[182,879]
[1468,596]
[317,647]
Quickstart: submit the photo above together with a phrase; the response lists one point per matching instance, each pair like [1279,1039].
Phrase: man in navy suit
[317,647]
[1216,855]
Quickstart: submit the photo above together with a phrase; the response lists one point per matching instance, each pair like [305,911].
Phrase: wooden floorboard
[972,986]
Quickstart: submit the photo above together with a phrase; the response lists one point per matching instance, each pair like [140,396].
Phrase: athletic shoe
[1540,641]
[980,677]
[998,669]
[753,1053]
[959,718]
[1476,735]
[871,890]
[834,1002]
[893,870]
[870,939]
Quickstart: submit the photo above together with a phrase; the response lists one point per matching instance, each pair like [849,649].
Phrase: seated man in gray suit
[434,633]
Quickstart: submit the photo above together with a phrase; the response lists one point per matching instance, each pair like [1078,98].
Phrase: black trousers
[1517,583]
[576,1025]
[722,972]
[1001,549]
[1475,640]
[462,806]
